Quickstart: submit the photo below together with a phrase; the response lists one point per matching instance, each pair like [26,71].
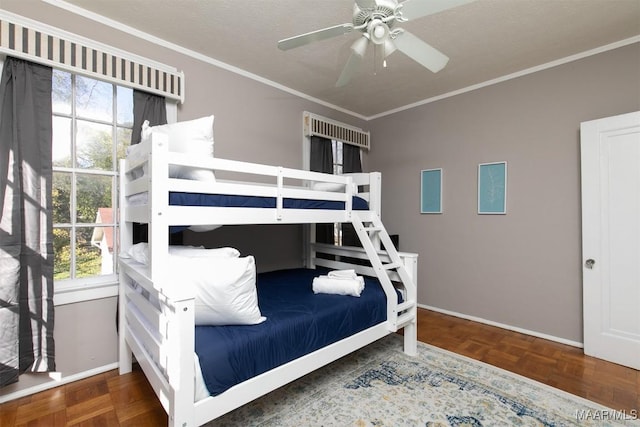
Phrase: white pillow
[194,137]
[333,186]
[225,288]
[134,152]
[201,252]
[140,252]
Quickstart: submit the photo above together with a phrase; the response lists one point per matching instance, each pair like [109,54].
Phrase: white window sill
[79,292]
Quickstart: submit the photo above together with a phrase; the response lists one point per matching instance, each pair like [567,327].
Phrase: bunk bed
[184,357]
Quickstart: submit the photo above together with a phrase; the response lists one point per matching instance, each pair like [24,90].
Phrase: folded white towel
[342,286]
[343,274]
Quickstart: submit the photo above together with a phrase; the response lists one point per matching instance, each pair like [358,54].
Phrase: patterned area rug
[381,386]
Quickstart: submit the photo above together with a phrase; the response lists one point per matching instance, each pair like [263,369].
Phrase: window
[92,122]
[336,148]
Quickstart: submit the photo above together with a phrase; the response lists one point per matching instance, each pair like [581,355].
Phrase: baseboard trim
[503,326]
[57,382]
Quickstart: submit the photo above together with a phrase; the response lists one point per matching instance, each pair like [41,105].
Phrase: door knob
[589,263]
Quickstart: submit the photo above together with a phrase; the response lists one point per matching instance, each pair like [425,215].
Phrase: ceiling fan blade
[314,36]
[366,4]
[358,49]
[412,9]
[421,52]
[352,65]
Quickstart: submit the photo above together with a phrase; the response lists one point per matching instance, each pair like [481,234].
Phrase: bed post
[181,373]
[411,328]
[126,240]
[375,201]
[158,232]
[180,340]
[311,248]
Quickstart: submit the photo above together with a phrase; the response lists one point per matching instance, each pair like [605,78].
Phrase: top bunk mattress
[298,322]
[235,201]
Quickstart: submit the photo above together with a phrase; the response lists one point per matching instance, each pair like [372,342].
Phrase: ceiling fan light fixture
[378,31]
[359,47]
[389,47]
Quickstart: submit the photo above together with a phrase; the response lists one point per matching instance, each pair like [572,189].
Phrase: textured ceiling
[485,40]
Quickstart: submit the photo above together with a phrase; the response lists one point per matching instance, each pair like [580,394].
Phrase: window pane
[94,99]
[337,152]
[93,192]
[61,253]
[94,146]
[88,255]
[337,156]
[103,238]
[124,96]
[61,140]
[61,92]
[61,195]
[124,140]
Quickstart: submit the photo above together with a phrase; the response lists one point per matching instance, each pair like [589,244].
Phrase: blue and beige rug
[381,386]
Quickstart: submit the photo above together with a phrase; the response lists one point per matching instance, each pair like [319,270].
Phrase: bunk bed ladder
[373,235]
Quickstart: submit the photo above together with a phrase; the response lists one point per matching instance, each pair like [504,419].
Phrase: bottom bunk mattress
[298,322]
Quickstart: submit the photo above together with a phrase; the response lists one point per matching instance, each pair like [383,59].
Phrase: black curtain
[322,161]
[146,106]
[26,222]
[351,163]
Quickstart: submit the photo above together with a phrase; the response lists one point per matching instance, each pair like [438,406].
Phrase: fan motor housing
[384,9]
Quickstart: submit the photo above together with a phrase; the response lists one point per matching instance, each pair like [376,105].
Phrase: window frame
[100,286]
[70,291]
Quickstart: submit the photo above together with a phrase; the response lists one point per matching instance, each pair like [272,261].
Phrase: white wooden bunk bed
[156,316]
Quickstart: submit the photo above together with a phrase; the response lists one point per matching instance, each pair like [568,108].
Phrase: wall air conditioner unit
[321,126]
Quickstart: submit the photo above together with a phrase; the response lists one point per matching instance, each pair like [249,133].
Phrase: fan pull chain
[384,55]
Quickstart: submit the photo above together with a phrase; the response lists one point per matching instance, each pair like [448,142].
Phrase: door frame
[598,341]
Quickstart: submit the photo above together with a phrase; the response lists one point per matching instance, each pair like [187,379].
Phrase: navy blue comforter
[298,322]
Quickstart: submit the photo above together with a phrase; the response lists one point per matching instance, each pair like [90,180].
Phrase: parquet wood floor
[112,400]
[558,365]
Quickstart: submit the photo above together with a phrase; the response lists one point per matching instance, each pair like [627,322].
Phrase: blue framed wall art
[431,191]
[492,188]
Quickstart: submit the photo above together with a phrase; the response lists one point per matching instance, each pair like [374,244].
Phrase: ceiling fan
[376,20]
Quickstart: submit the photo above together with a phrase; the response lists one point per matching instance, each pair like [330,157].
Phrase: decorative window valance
[322,126]
[41,43]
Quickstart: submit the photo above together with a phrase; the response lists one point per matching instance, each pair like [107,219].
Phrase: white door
[610,150]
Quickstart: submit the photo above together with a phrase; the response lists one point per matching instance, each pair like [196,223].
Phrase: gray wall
[522,269]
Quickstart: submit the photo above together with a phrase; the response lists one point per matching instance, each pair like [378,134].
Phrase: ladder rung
[391,265]
[405,306]
[405,319]
[372,229]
